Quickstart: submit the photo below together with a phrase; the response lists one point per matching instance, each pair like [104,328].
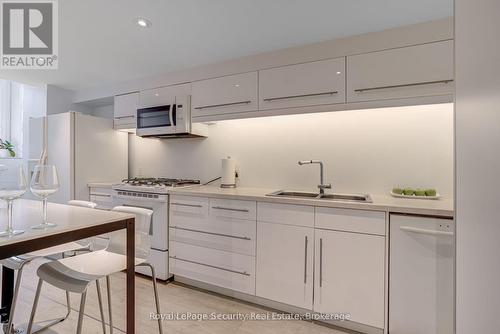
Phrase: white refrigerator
[83,148]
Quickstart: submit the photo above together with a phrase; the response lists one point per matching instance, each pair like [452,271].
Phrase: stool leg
[14,299]
[81,313]
[99,298]
[108,285]
[157,299]
[35,304]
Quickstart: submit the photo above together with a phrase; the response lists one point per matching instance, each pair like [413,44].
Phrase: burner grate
[151,181]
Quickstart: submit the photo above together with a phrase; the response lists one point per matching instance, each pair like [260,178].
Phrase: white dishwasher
[421,284]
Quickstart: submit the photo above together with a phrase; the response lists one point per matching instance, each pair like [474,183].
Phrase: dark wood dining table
[73,223]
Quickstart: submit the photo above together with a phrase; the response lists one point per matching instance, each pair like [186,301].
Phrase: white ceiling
[99,43]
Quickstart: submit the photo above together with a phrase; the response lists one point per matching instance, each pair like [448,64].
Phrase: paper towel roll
[228,173]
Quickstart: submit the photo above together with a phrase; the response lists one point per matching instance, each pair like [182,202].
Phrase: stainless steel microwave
[168,120]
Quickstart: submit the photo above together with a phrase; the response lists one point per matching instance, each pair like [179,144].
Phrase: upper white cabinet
[125,110]
[162,95]
[308,84]
[229,94]
[414,71]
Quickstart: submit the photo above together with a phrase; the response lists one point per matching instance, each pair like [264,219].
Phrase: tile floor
[174,298]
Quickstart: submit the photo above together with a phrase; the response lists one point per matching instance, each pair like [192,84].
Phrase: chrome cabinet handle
[424,231]
[211,233]
[223,105]
[320,262]
[229,209]
[271,99]
[211,266]
[188,205]
[99,194]
[122,117]
[305,259]
[360,90]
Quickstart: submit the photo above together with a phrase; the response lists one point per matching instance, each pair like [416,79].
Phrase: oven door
[159,224]
[154,121]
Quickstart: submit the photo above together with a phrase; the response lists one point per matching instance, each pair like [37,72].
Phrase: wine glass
[12,186]
[44,183]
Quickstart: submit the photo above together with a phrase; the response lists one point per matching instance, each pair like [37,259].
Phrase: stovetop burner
[152,181]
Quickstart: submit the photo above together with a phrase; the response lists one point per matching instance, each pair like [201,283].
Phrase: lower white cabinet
[285,264]
[349,275]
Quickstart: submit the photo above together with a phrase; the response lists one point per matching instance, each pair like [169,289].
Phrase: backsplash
[364,151]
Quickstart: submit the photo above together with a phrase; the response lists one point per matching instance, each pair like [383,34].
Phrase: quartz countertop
[442,207]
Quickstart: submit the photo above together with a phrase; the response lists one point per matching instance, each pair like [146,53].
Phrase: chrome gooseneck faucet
[322,186]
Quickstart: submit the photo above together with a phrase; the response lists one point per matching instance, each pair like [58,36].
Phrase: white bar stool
[75,274]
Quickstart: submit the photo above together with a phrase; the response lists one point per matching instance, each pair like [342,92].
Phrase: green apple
[408,191]
[398,191]
[420,192]
[430,192]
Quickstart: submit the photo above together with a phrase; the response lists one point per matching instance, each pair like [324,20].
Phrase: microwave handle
[171,114]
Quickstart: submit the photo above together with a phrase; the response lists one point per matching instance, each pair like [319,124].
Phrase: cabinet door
[125,109]
[349,276]
[420,70]
[162,95]
[285,264]
[229,94]
[315,83]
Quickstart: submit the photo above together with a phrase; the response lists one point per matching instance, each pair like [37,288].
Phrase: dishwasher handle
[425,231]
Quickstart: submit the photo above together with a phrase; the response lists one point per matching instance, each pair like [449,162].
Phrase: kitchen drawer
[232,235]
[232,209]
[227,270]
[102,197]
[189,206]
[229,94]
[299,215]
[348,220]
[308,84]
[420,70]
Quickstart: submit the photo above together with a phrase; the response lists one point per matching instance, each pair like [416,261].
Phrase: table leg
[7,293]
[131,276]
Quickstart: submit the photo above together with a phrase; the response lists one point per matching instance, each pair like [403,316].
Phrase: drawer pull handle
[425,231]
[223,105]
[211,266]
[211,233]
[229,209]
[271,99]
[360,90]
[188,205]
[122,117]
[99,194]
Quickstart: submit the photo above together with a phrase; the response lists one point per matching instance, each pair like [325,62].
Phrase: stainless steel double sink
[357,198]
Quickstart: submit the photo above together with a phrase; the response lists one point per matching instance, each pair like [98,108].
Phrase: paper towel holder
[228,179]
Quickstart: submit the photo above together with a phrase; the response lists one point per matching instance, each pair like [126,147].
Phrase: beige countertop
[442,207]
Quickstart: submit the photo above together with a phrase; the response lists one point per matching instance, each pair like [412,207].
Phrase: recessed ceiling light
[143,22]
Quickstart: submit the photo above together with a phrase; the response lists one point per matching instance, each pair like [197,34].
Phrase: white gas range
[152,194]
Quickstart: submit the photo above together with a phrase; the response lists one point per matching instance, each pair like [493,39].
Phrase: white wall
[364,151]
[477,166]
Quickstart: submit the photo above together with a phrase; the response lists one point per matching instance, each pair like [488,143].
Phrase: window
[18,103]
